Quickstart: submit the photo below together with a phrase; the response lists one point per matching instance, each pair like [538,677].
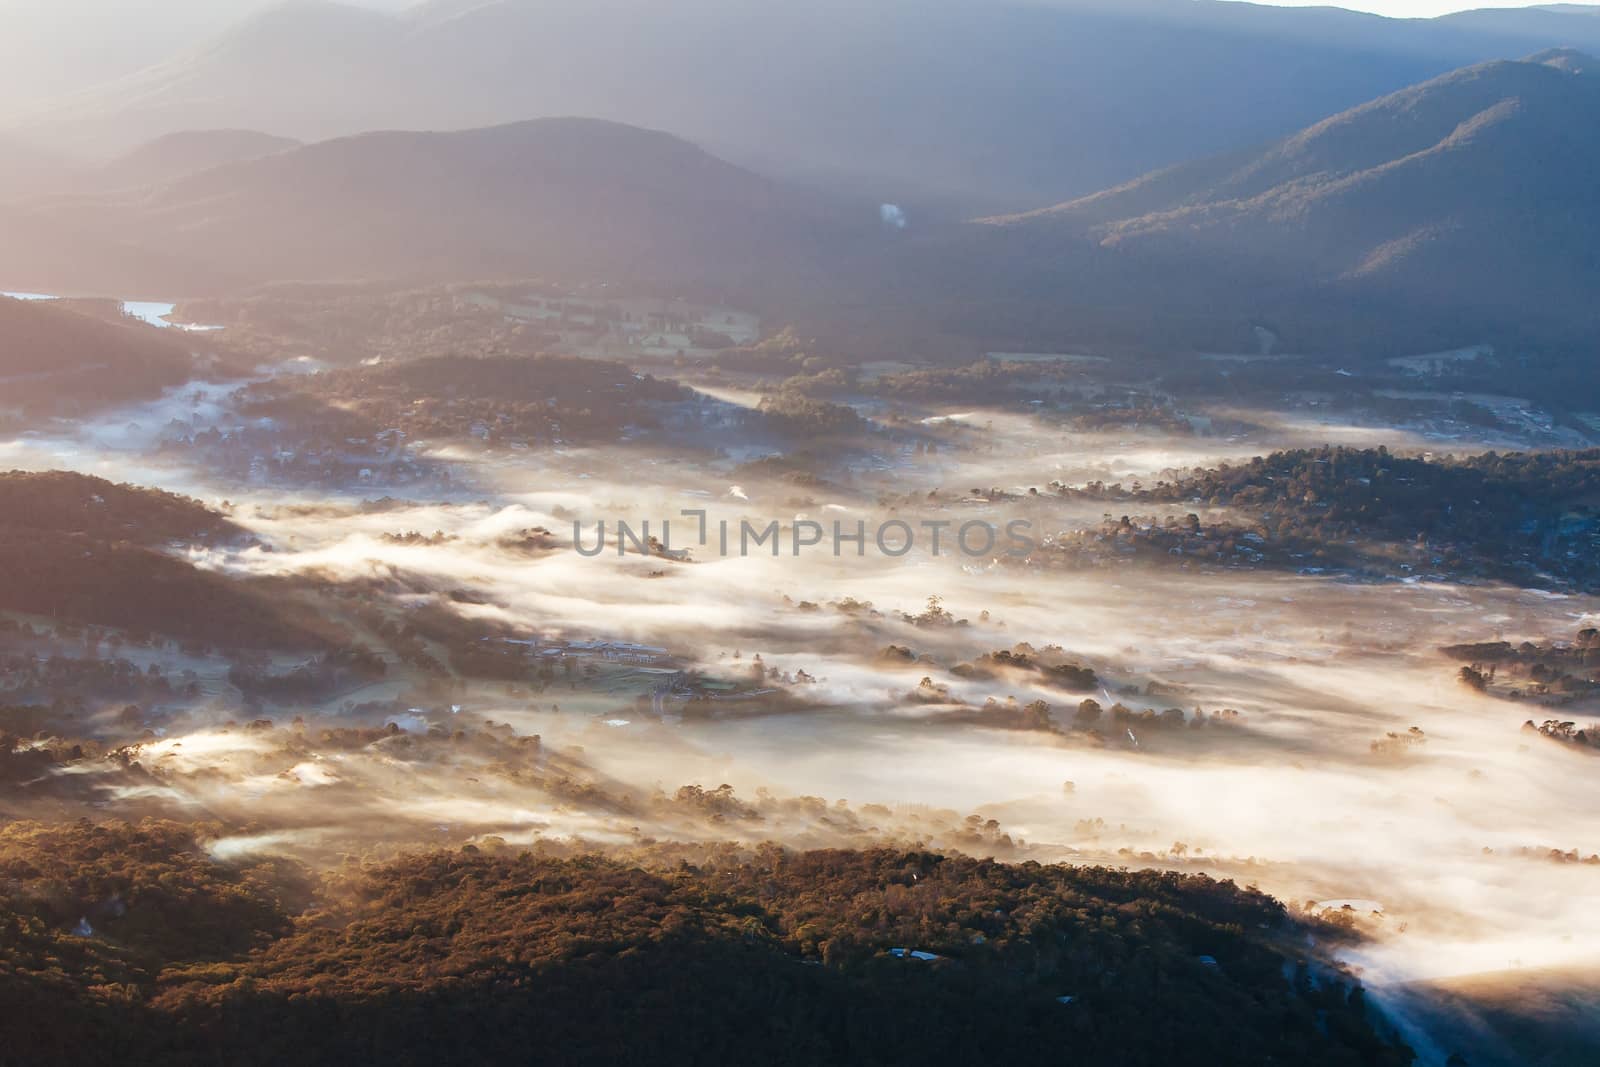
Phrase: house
[913,954]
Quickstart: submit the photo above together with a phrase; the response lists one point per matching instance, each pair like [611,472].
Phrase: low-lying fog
[1447,837]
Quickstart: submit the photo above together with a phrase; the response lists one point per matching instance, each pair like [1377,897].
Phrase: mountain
[573,199]
[953,104]
[179,154]
[1463,201]
[1445,214]
[32,170]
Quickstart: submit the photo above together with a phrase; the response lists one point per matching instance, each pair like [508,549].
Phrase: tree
[1036,716]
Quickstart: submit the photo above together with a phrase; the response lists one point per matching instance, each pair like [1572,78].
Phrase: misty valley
[488,588]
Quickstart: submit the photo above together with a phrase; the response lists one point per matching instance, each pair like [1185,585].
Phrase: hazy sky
[49,47]
[52,47]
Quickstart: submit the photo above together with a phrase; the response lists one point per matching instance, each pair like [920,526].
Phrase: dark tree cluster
[128,944]
[793,413]
[1521,517]
[1064,674]
[1556,674]
[316,680]
[500,400]
[70,681]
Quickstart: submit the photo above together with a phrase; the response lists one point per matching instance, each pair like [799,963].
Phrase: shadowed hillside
[1448,213]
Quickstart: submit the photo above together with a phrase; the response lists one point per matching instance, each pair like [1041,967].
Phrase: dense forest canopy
[682,956]
[69,503]
[1527,517]
[82,549]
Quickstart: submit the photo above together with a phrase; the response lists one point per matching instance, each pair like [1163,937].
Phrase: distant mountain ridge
[27,169]
[31,171]
[1468,196]
[577,199]
[177,155]
[999,105]
[1423,118]
[1449,213]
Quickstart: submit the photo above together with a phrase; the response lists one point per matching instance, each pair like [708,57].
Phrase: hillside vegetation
[56,361]
[771,956]
[85,550]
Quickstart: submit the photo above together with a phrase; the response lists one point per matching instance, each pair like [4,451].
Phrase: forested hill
[1382,494]
[84,550]
[722,957]
[186,152]
[66,504]
[54,360]
[1529,518]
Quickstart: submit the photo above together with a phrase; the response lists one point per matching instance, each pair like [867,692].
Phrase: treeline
[784,354]
[1063,674]
[128,944]
[496,399]
[1554,673]
[1482,495]
[794,414]
[1527,517]
[72,682]
[318,679]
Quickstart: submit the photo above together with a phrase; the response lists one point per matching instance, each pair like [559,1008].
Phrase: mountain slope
[570,198]
[26,169]
[177,155]
[1002,105]
[1464,197]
